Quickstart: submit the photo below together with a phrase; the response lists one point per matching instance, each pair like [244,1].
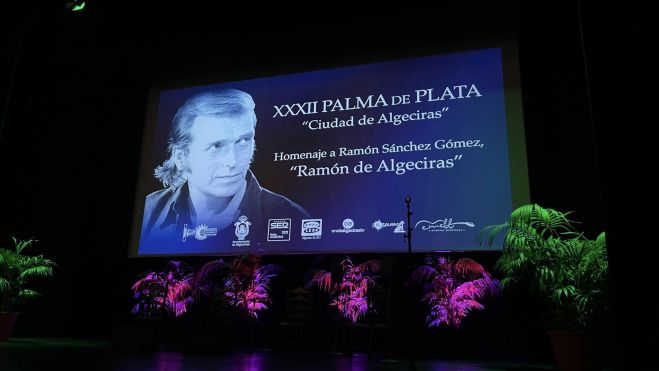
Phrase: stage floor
[75,354]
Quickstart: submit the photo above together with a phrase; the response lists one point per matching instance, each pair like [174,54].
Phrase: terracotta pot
[7,321]
[574,351]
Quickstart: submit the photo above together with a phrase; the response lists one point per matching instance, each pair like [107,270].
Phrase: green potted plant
[16,271]
[543,251]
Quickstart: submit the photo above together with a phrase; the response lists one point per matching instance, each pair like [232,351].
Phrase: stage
[78,354]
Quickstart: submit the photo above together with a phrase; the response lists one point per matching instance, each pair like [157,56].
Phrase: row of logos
[312,229]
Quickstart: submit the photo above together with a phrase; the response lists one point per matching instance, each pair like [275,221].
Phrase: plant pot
[574,351]
[7,321]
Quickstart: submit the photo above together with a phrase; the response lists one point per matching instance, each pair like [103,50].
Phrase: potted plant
[244,286]
[453,288]
[158,295]
[543,251]
[247,288]
[16,271]
[244,281]
[350,294]
[171,291]
[350,287]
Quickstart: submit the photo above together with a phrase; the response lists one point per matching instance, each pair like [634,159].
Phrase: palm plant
[16,271]
[171,291]
[210,276]
[541,249]
[350,295]
[453,289]
[247,286]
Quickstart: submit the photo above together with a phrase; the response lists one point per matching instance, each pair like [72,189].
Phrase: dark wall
[73,123]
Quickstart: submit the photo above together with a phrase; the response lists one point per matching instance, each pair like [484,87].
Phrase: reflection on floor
[74,354]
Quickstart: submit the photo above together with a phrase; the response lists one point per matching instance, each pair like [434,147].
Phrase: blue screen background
[455,203]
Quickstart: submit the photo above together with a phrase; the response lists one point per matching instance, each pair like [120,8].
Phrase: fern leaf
[4,285]
[34,272]
[28,294]
[469,269]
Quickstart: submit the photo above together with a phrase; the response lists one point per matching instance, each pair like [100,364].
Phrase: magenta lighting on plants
[453,289]
[247,286]
[159,293]
[350,295]
[244,282]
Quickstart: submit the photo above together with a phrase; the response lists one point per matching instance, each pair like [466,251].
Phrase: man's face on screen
[220,153]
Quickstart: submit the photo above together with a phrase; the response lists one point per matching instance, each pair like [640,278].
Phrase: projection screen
[323,161]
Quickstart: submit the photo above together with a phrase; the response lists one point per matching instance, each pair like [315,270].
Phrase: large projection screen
[323,161]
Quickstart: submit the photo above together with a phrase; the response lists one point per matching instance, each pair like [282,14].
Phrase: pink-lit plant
[166,292]
[247,286]
[453,289]
[243,282]
[350,295]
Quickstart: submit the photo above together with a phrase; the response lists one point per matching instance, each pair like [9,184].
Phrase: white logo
[348,227]
[312,229]
[400,226]
[443,225]
[201,232]
[348,223]
[241,231]
[279,230]
[242,227]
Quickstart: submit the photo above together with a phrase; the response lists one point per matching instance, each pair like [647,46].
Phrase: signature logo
[446,224]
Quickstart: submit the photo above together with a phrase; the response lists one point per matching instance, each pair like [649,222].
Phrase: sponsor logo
[312,229]
[279,230]
[443,225]
[348,227]
[399,226]
[241,231]
[348,223]
[201,232]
